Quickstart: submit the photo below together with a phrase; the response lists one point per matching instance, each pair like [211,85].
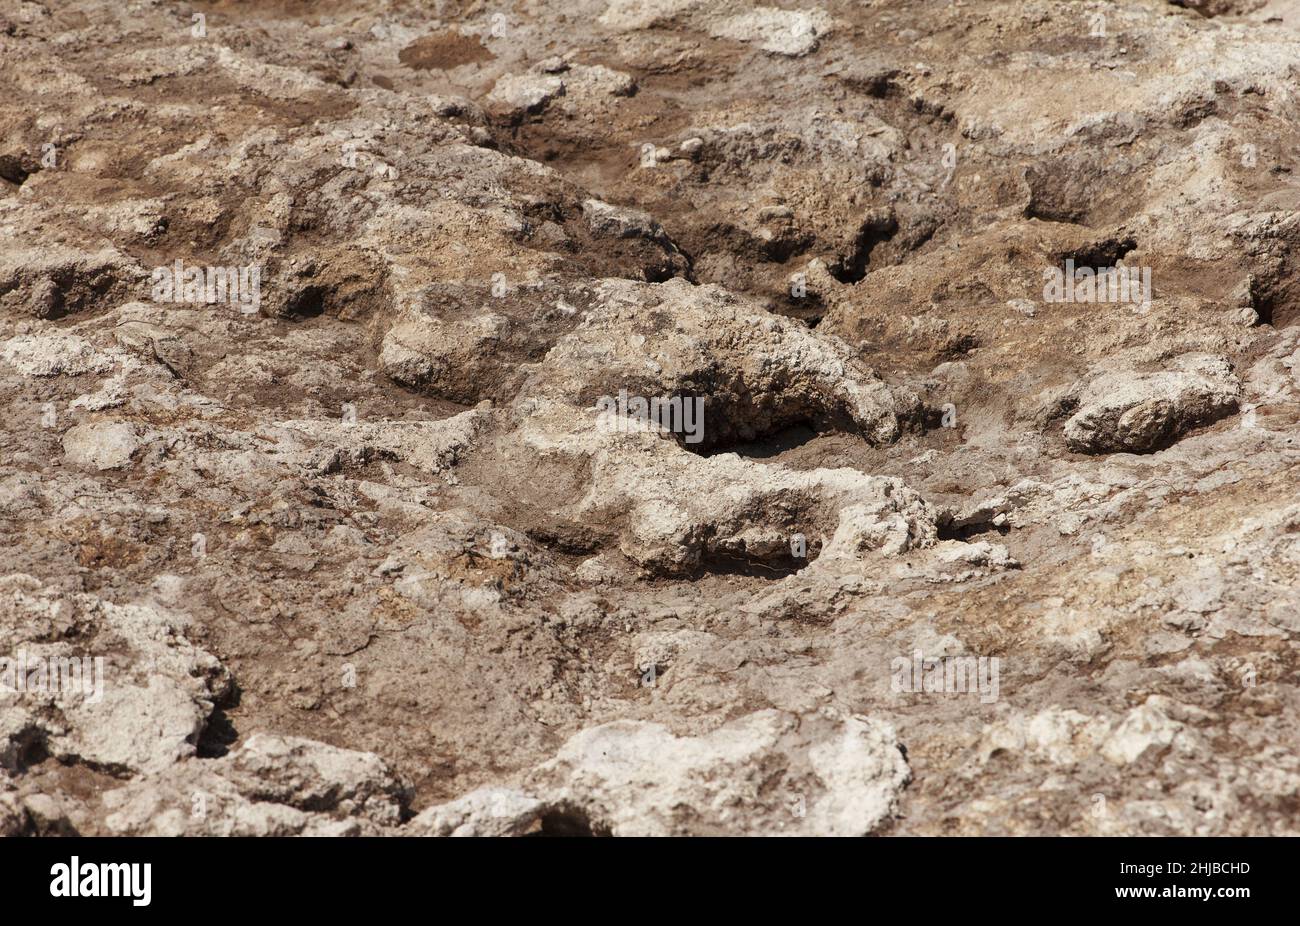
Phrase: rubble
[568,419]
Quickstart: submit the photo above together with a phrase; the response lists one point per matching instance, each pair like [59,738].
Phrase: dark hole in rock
[567,822]
[25,750]
[769,445]
[1277,302]
[807,308]
[1104,253]
[779,566]
[967,528]
[12,169]
[874,231]
[308,302]
[220,733]
[658,273]
[734,421]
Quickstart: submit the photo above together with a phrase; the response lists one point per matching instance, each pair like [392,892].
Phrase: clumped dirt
[324,331]
[451,49]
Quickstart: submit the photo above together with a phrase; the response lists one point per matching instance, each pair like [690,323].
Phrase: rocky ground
[364,551]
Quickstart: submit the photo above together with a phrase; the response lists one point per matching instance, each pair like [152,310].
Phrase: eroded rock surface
[346,358]
[1141,412]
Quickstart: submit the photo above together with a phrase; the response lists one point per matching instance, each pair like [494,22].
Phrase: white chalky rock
[629,15]
[1144,727]
[518,94]
[141,707]
[649,486]
[432,446]
[55,354]
[485,812]
[765,774]
[271,786]
[793,33]
[1142,412]
[101,445]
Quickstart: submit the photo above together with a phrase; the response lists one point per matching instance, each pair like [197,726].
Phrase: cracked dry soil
[323,326]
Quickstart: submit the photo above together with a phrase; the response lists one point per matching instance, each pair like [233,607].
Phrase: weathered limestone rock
[102,445]
[1142,412]
[769,773]
[766,773]
[118,687]
[757,372]
[271,786]
[395,520]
